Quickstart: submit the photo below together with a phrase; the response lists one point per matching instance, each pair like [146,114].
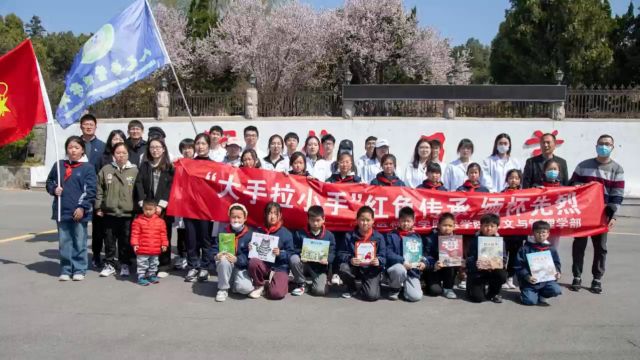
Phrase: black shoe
[596,287]
[576,284]
[497,299]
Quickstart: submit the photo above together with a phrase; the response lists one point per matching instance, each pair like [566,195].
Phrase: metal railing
[208,104]
[603,102]
[125,105]
[300,103]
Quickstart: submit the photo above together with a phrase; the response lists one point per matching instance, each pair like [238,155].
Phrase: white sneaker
[449,294]
[221,295]
[181,263]
[64,277]
[335,280]
[163,274]
[107,271]
[462,285]
[124,270]
[509,284]
[78,277]
[257,292]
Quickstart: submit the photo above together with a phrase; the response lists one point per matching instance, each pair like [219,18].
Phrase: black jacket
[136,152]
[534,172]
[144,186]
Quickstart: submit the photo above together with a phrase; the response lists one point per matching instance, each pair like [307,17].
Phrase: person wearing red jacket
[148,239]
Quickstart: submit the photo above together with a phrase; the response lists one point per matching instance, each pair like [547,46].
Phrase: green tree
[11,32]
[34,28]
[202,17]
[478,59]
[538,37]
[625,39]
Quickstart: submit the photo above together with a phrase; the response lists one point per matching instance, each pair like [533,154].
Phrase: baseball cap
[233,141]
[382,142]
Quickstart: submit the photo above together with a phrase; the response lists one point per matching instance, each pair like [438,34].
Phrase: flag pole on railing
[173,70]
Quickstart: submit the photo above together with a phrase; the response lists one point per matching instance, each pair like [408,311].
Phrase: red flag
[21,101]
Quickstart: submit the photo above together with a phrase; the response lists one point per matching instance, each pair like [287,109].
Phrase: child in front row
[534,292]
[512,242]
[403,274]
[317,270]
[353,268]
[478,276]
[148,239]
[432,182]
[278,272]
[438,278]
[232,268]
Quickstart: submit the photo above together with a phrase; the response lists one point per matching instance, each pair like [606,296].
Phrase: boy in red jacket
[149,239]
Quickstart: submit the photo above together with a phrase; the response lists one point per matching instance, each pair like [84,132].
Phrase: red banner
[205,190]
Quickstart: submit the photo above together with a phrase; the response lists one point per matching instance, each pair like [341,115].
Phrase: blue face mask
[603,150]
[552,175]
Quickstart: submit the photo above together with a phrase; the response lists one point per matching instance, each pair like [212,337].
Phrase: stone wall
[15,177]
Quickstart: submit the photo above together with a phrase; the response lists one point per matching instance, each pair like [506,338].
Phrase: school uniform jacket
[348,250]
[432,186]
[395,250]
[243,238]
[521,266]
[349,179]
[285,244]
[469,187]
[472,257]
[300,235]
[382,180]
[144,186]
[79,189]
[94,150]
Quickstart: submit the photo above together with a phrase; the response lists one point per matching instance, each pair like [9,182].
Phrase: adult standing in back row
[135,143]
[533,169]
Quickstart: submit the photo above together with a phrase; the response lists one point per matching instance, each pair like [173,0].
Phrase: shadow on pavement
[208,288]
[50,253]
[44,237]
[48,267]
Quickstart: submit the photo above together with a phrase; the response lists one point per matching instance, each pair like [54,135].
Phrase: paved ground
[112,318]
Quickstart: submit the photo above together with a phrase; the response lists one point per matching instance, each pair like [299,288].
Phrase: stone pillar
[163,105]
[36,148]
[557,111]
[251,103]
[449,111]
[348,109]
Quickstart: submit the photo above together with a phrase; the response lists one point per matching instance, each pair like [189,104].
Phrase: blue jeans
[72,247]
[530,294]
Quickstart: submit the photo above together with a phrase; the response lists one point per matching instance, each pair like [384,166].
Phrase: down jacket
[149,234]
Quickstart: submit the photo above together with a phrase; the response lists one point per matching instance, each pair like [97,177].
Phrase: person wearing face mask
[610,174]
[496,166]
[533,173]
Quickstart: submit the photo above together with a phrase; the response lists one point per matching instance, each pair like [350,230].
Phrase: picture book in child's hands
[227,243]
[542,266]
[365,251]
[314,250]
[412,250]
[262,246]
[491,252]
[450,250]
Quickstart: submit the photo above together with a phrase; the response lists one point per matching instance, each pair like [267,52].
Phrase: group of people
[123,187]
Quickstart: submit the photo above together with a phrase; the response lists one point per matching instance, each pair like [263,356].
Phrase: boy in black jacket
[317,270]
[534,292]
[478,276]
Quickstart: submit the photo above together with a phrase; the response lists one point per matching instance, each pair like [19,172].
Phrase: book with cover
[262,246]
[542,266]
[314,250]
[491,250]
[227,243]
[412,250]
[450,250]
[365,251]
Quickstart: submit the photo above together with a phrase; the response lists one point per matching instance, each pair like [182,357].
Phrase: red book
[365,251]
[21,94]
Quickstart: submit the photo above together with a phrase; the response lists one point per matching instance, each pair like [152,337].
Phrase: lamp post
[450,79]
[164,84]
[559,76]
[252,80]
[348,106]
[348,76]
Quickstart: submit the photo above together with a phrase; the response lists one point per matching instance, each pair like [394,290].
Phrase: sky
[457,20]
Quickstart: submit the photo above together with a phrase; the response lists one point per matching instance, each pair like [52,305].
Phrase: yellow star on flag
[3,105]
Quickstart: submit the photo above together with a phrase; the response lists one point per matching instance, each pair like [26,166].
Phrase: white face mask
[503,149]
[237,226]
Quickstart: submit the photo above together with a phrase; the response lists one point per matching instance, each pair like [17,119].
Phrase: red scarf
[431,185]
[366,237]
[341,180]
[403,233]
[540,247]
[273,229]
[310,234]
[551,184]
[68,168]
[245,230]
[470,186]
[384,181]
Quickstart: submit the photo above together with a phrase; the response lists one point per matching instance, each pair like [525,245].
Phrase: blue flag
[126,49]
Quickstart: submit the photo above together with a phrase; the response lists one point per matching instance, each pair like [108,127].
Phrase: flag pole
[173,70]
[47,107]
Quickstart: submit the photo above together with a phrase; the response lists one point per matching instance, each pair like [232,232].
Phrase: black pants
[437,281]
[165,256]
[599,255]
[97,238]
[117,241]
[198,243]
[476,283]
[512,246]
[182,243]
[369,276]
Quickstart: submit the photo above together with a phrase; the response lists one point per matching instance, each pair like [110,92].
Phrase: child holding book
[316,270]
[149,240]
[278,272]
[479,272]
[367,270]
[232,259]
[403,273]
[532,290]
[438,277]
[432,182]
